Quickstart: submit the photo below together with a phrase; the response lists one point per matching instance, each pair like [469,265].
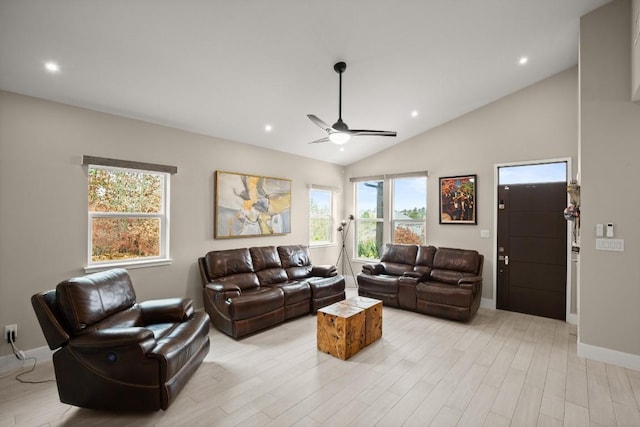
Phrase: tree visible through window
[126,214]
[410,210]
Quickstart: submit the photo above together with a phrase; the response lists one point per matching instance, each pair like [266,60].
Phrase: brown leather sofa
[443,282]
[115,353]
[249,289]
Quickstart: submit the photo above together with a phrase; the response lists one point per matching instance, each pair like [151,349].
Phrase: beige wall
[43,199]
[610,150]
[537,123]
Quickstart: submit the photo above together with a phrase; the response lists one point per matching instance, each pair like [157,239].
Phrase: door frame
[570,317]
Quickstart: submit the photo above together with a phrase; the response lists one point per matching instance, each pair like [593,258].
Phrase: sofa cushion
[254,303]
[295,260]
[447,276]
[383,283]
[86,300]
[441,293]
[266,263]
[397,258]
[228,262]
[295,291]
[462,260]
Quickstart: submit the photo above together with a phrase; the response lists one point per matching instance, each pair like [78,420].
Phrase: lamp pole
[344,232]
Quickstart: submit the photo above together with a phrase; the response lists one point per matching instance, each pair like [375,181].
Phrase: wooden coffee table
[346,327]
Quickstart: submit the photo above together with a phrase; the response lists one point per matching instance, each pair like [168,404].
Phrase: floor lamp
[344,231]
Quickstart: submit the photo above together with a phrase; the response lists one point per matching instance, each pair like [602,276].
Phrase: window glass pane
[369,199]
[369,234]
[112,190]
[320,216]
[124,238]
[409,210]
[370,213]
[409,232]
[529,174]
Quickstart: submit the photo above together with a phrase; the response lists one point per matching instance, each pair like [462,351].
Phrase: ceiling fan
[339,132]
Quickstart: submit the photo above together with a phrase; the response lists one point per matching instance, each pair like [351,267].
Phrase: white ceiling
[228,68]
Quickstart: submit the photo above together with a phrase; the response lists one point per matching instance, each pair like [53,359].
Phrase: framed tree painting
[250,205]
[458,199]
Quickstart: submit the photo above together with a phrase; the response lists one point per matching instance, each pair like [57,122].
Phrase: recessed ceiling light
[414,113]
[341,148]
[523,60]
[51,67]
[268,128]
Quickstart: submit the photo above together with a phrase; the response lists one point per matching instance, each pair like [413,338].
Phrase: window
[409,222]
[320,216]
[404,222]
[369,218]
[127,216]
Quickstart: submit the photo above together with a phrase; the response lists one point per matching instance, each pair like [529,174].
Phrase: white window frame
[387,202]
[164,217]
[329,216]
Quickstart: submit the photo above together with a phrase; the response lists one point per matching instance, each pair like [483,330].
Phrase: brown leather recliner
[249,289]
[115,353]
[381,280]
[443,282]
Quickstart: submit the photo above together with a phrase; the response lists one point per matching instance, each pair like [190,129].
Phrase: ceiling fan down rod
[339,68]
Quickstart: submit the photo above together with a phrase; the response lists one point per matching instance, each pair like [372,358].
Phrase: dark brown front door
[532,249]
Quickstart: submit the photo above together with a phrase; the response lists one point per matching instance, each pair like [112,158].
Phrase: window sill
[322,245]
[127,264]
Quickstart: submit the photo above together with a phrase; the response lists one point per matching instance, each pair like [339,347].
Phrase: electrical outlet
[11,333]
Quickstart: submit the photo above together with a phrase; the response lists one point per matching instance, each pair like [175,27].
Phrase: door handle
[506,260]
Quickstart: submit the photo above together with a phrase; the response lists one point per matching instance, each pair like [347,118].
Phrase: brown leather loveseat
[443,282]
[115,353]
[249,289]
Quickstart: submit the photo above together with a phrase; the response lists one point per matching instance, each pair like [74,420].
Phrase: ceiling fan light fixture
[339,138]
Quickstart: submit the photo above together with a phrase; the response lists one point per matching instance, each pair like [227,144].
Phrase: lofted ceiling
[229,68]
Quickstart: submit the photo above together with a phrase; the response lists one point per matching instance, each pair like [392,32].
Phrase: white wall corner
[613,357]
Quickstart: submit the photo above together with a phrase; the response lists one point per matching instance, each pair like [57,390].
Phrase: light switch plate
[615,245]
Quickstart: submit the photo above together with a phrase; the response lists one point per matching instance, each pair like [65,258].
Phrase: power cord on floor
[21,355]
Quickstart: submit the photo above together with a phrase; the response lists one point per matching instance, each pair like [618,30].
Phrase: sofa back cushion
[267,265]
[231,265]
[424,259]
[398,259]
[83,301]
[296,261]
[451,265]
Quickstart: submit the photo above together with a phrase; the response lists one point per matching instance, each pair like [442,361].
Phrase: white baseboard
[10,363]
[572,318]
[488,303]
[613,357]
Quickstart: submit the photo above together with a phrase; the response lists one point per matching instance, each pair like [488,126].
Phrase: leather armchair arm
[323,270]
[473,283]
[166,310]
[373,269]
[112,338]
[222,291]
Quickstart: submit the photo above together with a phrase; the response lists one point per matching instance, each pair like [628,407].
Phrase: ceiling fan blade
[365,132]
[325,139]
[319,122]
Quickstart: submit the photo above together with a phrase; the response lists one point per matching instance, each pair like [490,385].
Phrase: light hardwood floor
[501,369]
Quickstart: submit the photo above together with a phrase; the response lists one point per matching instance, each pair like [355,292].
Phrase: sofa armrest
[420,277]
[111,338]
[223,291]
[373,269]
[324,270]
[166,310]
[472,283]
